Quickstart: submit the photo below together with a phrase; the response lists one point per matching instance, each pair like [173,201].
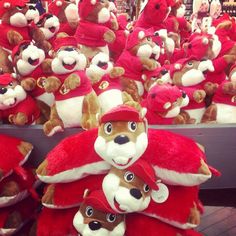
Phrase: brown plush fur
[24,148]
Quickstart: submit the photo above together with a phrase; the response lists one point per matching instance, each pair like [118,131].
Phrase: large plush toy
[31,67]
[96,16]
[95,217]
[188,75]
[72,89]
[164,103]
[122,139]
[139,56]
[16,107]
[67,13]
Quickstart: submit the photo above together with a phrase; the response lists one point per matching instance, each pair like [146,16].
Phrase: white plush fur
[173,112]
[23,66]
[32,15]
[145,51]
[77,173]
[181,11]
[47,98]
[216,47]
[225,113]
[206,65]
[184,179]
[51,22]
[233,77]
[114,192]
[196,114]
[106,103]
[71,13]
[7,231]
[192,77]
[69,58]
[121,156]
[104,15]
[18,20]
[12,97]
[8,201]
[84,229]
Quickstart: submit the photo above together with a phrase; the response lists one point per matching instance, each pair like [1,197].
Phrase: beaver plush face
[92,222]
[32,14]
[49,24]
[121,143]
[68,59]
[125,191]
[11,93]
[27,57]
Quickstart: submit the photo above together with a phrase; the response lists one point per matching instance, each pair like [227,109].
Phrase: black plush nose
[95,225]
[121,139]
[3,90]
[163,72]
[136,193]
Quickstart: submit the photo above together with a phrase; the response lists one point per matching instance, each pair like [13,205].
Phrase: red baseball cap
[5,79]
[65,41]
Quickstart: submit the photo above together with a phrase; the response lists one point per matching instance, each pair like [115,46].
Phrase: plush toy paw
[52,84]
[19,119]
[89,121]
[10,189]
[109,36]
[149,64]
[47,198]
[199,95]
[114,24]
[230,59]
[53,126]
[42,168]
[116,72]
[229,88]
[46,66]
[14,37]
[225,25]
[210,88]
[72,82]
[194,217]
[28,84]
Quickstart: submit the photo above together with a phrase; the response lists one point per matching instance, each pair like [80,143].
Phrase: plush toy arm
[72,81]
[52,84]
[194,94]
[28,84]
[128,100]
[14,37]
[229,88]
[210,114]
[149,64]
[210,88]
[117,72]
[19,118]
[46,66]
[109,36]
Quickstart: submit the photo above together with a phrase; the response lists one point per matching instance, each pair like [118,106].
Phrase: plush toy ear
[7,5]
[86,193]
[177,66]
[205,40]
[143,112]
[160,195]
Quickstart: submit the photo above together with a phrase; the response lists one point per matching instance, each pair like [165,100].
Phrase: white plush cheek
[141,144]
[24,68]
[20,93]
[100,57]
[157,51]
[144,51]
[103,15]
[18,20]
[192,77]
[170,45]
[181,11]
[173,112]
[32,15]
[185,101]
[78,222]
[233,77]
[81,61]
[119,230]
[71,13]
[47,33]
[57,66]
[95,70]
[100,146]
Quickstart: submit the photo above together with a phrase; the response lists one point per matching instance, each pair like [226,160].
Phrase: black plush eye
[108,128]
[19,8]
[32,7]
[153,95]
[129,176]
[69,49]
[132,126]
[184,94]
[49,16]
[190,64]
[25,46]
[149,39]
[89,211]
[111,218]
[10,84]
[146,188]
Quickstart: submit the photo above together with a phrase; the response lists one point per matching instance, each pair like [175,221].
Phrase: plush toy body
[16,106]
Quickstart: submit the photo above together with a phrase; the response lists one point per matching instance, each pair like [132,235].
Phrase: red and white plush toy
[95,217]
[140,55]
[164,103]
[223,107]
[188,75]
[95,16]
[67,13]
[121,140]
[16,107]
[31,67]
[72,89]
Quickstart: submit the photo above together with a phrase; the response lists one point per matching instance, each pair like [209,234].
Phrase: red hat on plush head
[122,113]
[145,172]
[97,200]
[137,36]
[5,79]
[66,41]
[8,4]
[85,7]
[55,6]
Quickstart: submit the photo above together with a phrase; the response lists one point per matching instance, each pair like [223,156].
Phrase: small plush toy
[139,56]
[164,103]
[16,107]
[20,151]
[67,13]
[188,75]
[145,225]
[223,109]
[122,139]
[72,89]
[131,189]
[96,16]
[52,222]
[95,217]
[31,67]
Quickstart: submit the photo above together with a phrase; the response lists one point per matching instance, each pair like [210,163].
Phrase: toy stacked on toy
[18,201]
[135,169]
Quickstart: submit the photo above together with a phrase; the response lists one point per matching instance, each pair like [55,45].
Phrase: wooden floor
[218,221]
